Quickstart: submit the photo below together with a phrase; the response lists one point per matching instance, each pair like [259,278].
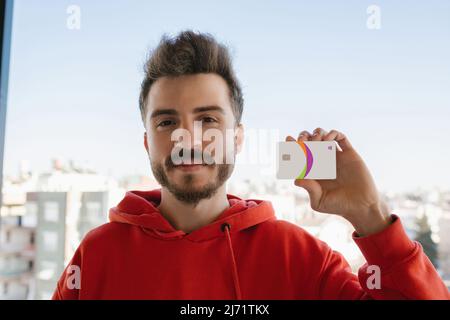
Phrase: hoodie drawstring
[226,228]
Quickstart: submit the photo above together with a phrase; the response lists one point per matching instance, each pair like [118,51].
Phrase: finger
[314,190]
[331,136]
[340,138]
[318,133]
[304,136]
[289,138]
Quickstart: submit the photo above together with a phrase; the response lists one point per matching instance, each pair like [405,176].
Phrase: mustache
[195,156]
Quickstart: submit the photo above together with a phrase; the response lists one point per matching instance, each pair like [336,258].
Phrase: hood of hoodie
[139,208]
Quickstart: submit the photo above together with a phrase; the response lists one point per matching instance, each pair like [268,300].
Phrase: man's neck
[187,217]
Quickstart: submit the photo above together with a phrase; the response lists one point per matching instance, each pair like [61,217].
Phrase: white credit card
[306,160]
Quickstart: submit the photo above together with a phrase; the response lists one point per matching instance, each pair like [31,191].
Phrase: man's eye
[208,120]
[165,123]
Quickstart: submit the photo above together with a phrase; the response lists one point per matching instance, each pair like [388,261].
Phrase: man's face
[175,104]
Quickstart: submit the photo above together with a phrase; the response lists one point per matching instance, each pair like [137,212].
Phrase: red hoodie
[246,253]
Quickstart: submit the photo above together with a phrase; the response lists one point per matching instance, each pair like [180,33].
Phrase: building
[44,218]
[63,219]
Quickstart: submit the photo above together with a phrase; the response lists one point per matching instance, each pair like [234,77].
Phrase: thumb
[314,190]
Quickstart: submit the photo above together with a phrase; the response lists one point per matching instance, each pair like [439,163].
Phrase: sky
[302,64]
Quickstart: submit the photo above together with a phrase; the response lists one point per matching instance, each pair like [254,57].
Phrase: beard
[184,190]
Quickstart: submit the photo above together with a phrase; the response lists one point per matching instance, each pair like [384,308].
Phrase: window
[51,211]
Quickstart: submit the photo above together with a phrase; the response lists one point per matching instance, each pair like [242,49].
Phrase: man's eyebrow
[160,112]
[208,108]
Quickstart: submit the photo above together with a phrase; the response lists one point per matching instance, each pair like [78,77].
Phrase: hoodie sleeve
[396,268]
[68,285]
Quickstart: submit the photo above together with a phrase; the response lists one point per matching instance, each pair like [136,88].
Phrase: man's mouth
[190,167]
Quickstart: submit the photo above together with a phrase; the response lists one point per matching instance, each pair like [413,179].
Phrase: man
[191,240]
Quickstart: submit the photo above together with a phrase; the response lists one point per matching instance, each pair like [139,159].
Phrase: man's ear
[145,141]
[239,137]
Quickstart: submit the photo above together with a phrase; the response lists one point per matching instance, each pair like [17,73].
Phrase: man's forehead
[189,86]
[189,94]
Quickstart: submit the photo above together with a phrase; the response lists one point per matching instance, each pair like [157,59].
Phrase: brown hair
[191,53]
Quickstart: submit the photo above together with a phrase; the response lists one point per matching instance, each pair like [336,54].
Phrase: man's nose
[193,130]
